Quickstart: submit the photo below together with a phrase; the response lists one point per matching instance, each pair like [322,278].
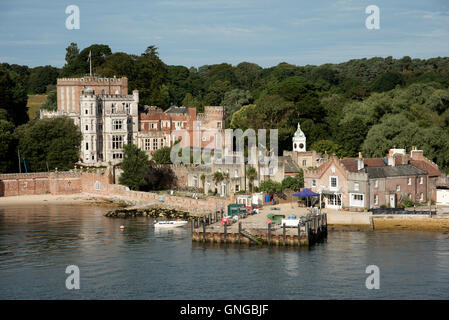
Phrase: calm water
[38,243]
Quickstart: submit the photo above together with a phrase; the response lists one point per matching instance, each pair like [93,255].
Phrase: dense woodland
[366,105]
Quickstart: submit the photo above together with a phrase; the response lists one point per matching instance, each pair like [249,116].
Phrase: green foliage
[326,146]
[7,147]
[270,187]
[162,156]
[13,97]
[387,81]
[293,183]
[251,174]
[54,141]
[135,168]
[41,77]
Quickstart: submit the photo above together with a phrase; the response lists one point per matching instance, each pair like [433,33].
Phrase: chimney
[360,162]
[391,161]
[416,154]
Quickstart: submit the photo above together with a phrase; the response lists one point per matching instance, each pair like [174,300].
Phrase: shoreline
[337,221]
[83,199]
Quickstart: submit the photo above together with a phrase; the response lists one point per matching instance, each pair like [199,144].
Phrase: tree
[251,174]
[52,142]
[135,167]
[293,183]
[271,187]
[41,77]
[7,147]
[233,100]
[203,179]
[162,156]
[13,98]
[387,81]
[326,146]
[217,178]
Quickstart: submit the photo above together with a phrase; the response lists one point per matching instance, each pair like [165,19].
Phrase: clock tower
[299,140]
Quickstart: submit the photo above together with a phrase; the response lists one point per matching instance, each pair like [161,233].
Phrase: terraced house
[359,183]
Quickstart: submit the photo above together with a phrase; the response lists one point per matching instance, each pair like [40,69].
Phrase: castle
[108,118]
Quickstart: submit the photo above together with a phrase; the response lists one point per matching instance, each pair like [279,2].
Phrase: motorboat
[169,224]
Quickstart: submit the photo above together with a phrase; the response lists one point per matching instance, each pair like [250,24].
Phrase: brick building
[108,118]
[374,182]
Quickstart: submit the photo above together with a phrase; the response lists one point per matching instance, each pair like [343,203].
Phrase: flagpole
[90,62]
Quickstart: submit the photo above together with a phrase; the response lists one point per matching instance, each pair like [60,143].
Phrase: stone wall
[99,183]
[39,183]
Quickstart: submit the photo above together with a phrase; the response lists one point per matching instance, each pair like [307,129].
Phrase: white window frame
[330,183]
[409,181]
[398,188]
[421,180]
[354,200]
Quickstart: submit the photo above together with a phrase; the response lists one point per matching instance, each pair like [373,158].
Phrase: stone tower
[299,140]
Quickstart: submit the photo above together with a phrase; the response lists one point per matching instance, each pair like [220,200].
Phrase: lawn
[35,102]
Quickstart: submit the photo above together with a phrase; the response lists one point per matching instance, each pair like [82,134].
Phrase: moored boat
[169,224]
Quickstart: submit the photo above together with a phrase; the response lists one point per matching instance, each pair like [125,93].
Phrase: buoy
[122,227]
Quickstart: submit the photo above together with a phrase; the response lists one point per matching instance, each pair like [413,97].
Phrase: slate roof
[175,109]
[396,171]
[290,166]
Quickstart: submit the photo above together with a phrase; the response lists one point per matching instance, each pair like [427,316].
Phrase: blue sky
[199,32]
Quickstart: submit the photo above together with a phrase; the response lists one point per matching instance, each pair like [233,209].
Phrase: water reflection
[142,262]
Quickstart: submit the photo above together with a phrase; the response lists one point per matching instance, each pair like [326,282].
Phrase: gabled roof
[431,169]
[351,163]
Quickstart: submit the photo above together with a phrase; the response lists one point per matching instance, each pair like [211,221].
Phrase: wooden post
[210,219]
[269,233]
[191,225]
[225,231]
[283,234]
[240,229]
[204,229]
[299,234]
[215,216]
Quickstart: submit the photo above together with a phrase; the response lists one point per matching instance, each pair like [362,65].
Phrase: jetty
[311,229]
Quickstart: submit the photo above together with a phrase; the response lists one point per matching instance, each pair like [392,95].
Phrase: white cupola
[299,140]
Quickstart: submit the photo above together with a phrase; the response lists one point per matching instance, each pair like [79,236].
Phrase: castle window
[87,145]
[376,183]
[219,124]
[117,155]
[376,199]
[87,127]
[304,163]
[421,179]
[409,181]
[154,144]
[117,142]
[147,144]
[153,125]
[294,145]
[86,111]
[117,124]
[113,108]
[398,188]
[313,183]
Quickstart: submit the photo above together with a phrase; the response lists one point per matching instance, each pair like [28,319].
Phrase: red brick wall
[39,183]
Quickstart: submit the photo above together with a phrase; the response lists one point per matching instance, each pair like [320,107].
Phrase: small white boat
[169,224]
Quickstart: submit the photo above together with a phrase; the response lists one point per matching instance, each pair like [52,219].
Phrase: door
[392,201]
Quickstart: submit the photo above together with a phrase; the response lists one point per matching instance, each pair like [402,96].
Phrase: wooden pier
[209,229]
